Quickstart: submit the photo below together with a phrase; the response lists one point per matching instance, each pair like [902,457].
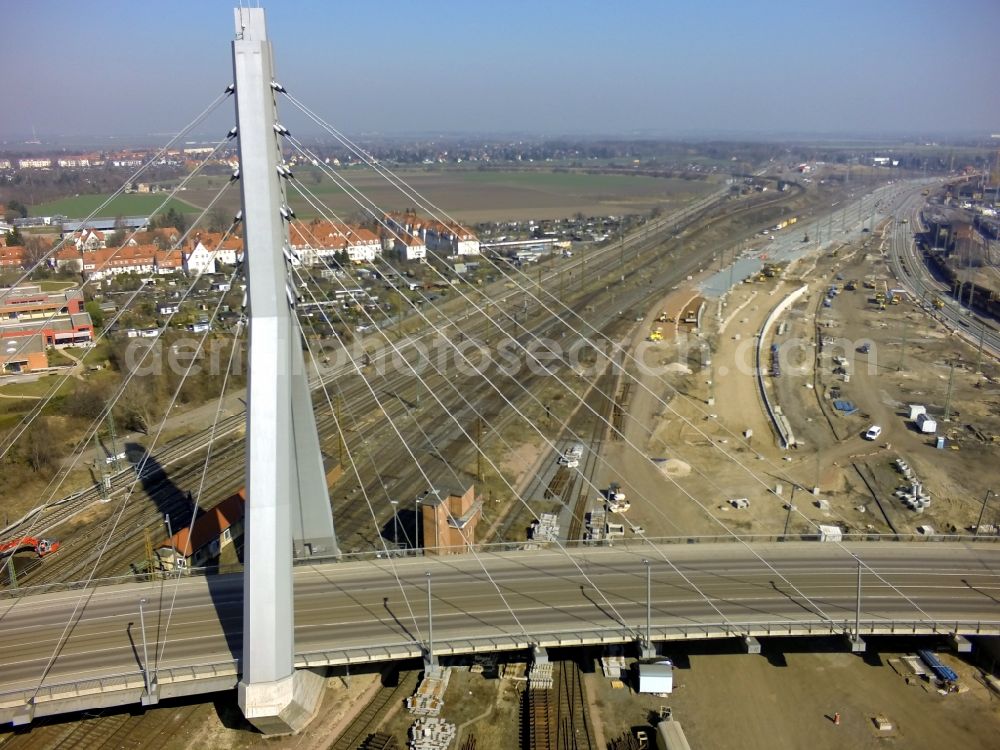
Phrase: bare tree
[40,447]
[35,250]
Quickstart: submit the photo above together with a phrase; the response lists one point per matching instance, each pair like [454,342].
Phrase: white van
[873,432]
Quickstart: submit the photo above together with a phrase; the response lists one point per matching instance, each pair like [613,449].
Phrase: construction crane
[42,547]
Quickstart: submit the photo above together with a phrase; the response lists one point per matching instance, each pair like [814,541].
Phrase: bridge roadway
[355,612]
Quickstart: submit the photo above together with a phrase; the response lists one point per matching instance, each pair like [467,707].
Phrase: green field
[133,204]
[474,195]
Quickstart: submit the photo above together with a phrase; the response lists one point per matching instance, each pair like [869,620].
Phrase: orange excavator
[42,547]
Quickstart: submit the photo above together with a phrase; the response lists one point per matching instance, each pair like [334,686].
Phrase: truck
[616,499]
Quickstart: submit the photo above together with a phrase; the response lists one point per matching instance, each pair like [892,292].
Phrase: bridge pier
[24,715]
[856,643]
[750,644]
[151,697]
[960,643]
[284,706]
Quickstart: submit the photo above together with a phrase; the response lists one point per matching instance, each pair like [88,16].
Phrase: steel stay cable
[364,492]
[205,113]
[382,170]
[413,194]
[496,469]
[57,481]
[582,401]
[26,421]
[201,482]
[426,478]
[583,573]
[87,592]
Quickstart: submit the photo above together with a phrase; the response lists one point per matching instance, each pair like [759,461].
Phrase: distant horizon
[566,69]
[966,139]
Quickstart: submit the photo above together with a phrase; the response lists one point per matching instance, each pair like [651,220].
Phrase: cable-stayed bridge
[269,629]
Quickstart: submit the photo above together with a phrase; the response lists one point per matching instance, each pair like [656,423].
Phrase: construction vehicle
[42,547]
[655,335]
[616,499]
[850,285]
[771,270]
[881,292]
[664,318]
[869,282]
[937,302]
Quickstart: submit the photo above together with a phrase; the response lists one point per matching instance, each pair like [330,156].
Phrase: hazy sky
[539,66]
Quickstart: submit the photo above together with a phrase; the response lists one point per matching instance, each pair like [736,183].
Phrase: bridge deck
[373,611]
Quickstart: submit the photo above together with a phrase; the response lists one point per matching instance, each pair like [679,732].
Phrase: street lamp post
[649,603]
[857,614]
[395,523]
[430,623]
[416,522]
[145,653]
[982,511]
[173,548]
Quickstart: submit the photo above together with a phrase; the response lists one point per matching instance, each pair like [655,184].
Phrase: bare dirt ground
[709,459]
[787,697]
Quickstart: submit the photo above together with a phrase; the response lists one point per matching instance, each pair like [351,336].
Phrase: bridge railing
[132,680]
[502,547]
[619,632]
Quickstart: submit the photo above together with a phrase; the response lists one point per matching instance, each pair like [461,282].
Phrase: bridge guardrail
[528,546]
[133,680]
[629,632]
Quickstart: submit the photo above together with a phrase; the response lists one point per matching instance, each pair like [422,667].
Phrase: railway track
[366,722]
[114,731]
[573,728]
[447,443]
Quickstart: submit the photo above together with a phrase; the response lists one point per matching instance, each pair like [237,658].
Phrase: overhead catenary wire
[57,480]
[140,469]
[580,569]
[413,194]
[735,536]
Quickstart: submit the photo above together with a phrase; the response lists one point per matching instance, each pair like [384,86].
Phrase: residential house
[169,261]
[203,541]
[409,247]
[69,258]
[363,245]
[318,241]
[11,257]
[88,240]
[451,238]
[207,249]
[34,163]
[111,261]
[164,237]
